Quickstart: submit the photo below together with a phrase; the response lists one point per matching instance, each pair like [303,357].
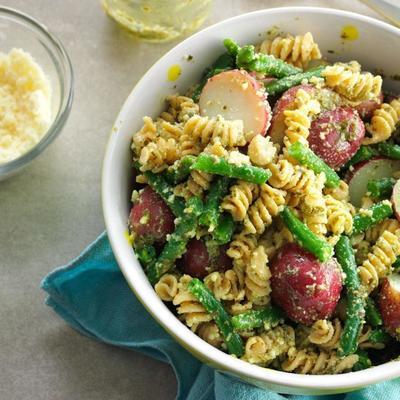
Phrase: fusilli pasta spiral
[348,80]
[340,192]
[257,280]
[269,345]
[209,332]
[188,306]
[298,120]
[377,265]
[146,135]
[261,212]
[206,130]
[383,122]
[293,178]
[314,208]
[241,196]
[373,233]
[339,216]
[308,361]
[167,287]
[298,50]
[158,155]
[225,285]
[180,109]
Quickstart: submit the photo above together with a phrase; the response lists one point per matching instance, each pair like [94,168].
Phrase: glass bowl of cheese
[36,89]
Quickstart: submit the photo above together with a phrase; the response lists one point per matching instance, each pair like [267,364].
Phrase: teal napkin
[92,296]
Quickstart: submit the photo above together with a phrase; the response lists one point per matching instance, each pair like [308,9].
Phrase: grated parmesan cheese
[25,104]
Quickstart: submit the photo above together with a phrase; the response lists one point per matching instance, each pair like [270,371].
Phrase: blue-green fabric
[92,296]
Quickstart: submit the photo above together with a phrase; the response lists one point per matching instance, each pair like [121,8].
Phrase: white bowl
[376,48]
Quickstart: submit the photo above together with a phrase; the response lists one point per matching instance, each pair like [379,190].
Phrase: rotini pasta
[298,120]
[326,334]
[348,80]
[147,134]
[339,216]
[340,193]
[314,208]
[225,285]
[293,178]
[298,50]
[206,130]
[158,155]
[167,287]
[373,233]
[240,198]
[267,206]
[257,280]
[209,332]
[269,345]
[188,306]
[383,122]
[308,361]
[380,259]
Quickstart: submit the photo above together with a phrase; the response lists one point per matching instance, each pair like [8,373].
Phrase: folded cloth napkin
[92,296]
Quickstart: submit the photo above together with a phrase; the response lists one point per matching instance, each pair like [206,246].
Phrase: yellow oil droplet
[128,237]
[350,32]
[174,72]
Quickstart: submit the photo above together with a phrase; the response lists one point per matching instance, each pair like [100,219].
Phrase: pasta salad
[266,210]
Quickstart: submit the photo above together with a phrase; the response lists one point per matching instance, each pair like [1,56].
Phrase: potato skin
[150,217]
[389,304]
[306,289]
[336,135]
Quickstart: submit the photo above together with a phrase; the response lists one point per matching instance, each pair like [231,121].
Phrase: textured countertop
[52,210]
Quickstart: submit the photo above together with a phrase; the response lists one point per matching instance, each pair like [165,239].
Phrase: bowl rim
[190,341]
[65,74]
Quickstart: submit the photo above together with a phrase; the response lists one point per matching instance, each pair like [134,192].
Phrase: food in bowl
[274,234]
[25,104]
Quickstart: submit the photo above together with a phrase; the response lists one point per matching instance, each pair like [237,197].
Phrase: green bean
[250,60]
[220,166]
[281,85]
[195,206]
[223,63]
[367,218]
[305,237]
[372,314]
[355,298]
[381,188]
[223,232]
[146,254]
[177,172]
[214,307]
[219,188]
[389,150]
[307,157]
[363,361]
[252,319]
[185,229]
[364,153]
[379,336]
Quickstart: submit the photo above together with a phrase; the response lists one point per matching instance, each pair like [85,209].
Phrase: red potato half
[389,303]
[150,218]
[336,135]
[396,199]
[198,261]
[376,168]
[237,95]
[306,289]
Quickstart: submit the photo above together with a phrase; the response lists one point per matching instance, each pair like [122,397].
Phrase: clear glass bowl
[21,31]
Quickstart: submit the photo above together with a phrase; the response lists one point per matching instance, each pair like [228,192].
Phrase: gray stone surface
[52,210]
